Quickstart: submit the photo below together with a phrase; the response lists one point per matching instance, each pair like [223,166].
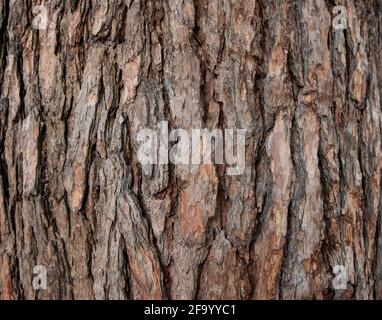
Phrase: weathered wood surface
[73,196]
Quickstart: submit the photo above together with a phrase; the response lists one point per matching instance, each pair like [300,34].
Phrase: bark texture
[73,196]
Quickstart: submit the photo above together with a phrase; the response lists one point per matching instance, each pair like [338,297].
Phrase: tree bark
[74,197]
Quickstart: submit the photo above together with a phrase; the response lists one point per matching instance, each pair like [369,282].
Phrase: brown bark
[73,195]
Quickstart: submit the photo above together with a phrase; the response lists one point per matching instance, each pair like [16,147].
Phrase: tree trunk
[77,88]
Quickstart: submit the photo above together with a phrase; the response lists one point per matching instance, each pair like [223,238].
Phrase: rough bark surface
[73,196]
